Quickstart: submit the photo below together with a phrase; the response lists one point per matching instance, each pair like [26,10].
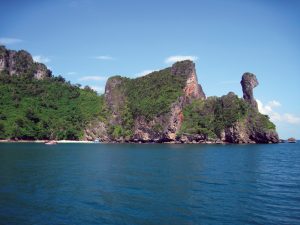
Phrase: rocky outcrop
[256,127]
[41,71]
[249,82]
[231,119]
[20,63]
[163,127]
[252,127]
[242,125]
[96,130]
[192,89]
[115,98]
[148,131]
[244,133]
[237,133]
[176,116]
[164,106]
[291,140]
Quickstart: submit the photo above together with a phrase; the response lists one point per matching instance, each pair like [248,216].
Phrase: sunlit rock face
[192,90]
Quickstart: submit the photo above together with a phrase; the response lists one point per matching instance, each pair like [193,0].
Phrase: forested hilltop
[164,106]
[34,104]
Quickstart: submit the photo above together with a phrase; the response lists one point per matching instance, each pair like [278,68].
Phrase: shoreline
[125,142]
[44,141]
[112,142]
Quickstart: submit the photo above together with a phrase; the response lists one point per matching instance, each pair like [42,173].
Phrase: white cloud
[144,72]
[264,109]
[268,109]
[176,58]
[289,118]
[92,78]
[8,41]
[274,103]
[41,59]
[104,57]
[98,89]
[71,73]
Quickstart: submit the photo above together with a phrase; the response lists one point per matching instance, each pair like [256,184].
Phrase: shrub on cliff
[153,94]
[209,117]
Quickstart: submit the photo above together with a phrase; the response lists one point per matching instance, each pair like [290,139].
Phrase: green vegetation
[152,95]
[45,109]
[260,121]
[51,108]
[148,96]
[209,117]
[125,128]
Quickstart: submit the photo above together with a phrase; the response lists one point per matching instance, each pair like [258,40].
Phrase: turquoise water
[149,184]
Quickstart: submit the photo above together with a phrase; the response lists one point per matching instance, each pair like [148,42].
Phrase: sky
[87,41]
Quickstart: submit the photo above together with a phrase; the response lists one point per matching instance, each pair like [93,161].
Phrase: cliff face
[96,130]
[192,90]
[255,127]
[245,132]
[228,119]
[16,63]
[162,126]
[115,98]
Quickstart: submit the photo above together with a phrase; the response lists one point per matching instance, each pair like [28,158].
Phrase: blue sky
[87,40]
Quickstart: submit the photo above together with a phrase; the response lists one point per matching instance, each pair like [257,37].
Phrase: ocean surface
[149,184]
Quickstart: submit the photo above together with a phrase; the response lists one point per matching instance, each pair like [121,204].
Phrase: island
[165,106]
[291,140]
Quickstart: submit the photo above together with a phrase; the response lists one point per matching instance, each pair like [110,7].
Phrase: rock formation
[96,130]
[255,127]
[16,63]
[164,106]
[168,123]
[115,98]
[249,82]
[192,90]
[244,132]
[41,71]
[240,125]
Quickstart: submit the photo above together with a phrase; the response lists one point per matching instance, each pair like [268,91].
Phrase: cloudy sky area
[87,41]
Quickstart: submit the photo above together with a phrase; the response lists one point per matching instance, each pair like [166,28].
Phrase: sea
[149,184]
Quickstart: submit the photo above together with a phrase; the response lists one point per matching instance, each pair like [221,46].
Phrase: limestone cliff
[164,106]
[228,119]
[20,63]
[170,106]
[162,126]
[246,132]
[192,91]
[96,130]
[115,98]
[249,82]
